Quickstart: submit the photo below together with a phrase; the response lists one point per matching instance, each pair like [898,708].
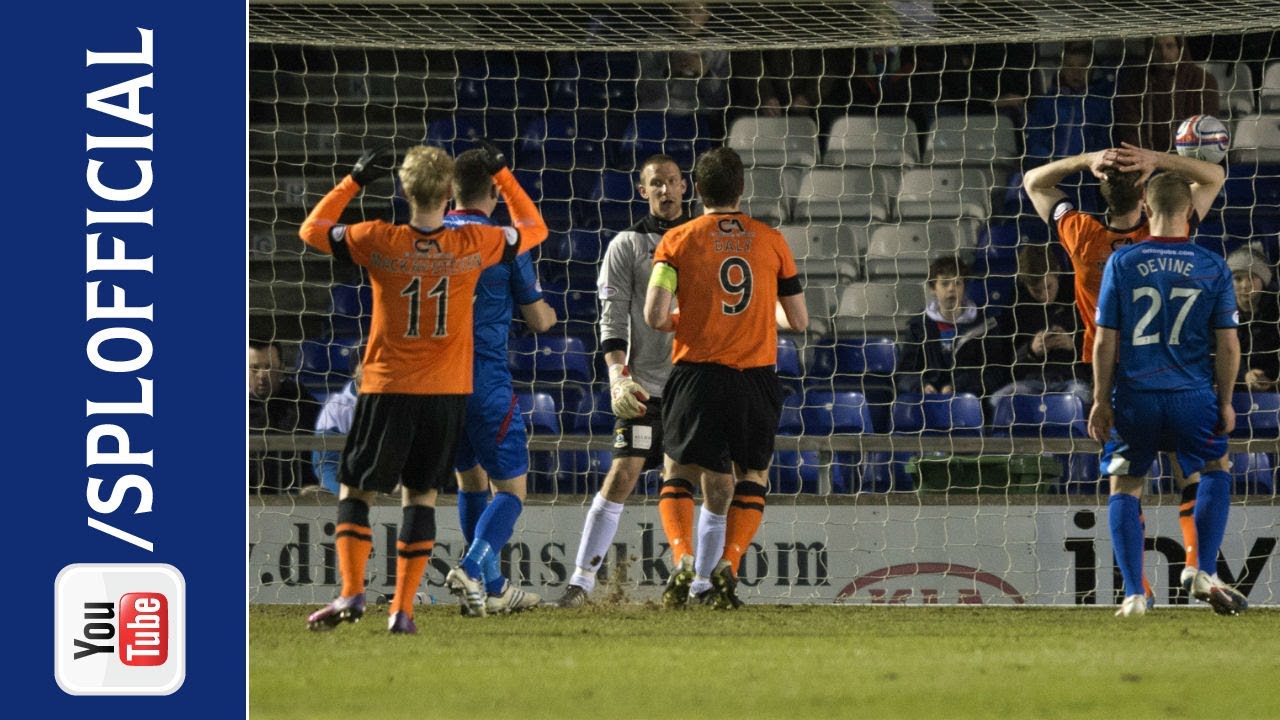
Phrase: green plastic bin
[1019,474]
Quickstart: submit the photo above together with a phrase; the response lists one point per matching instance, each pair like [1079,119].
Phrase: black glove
[494,160]
[372,165]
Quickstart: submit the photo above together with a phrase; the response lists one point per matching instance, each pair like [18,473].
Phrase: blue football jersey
[1165,300]
[500,288]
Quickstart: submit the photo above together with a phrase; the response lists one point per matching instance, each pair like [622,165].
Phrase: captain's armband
[664,276]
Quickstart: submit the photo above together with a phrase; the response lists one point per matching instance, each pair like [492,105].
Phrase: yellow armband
[664,276]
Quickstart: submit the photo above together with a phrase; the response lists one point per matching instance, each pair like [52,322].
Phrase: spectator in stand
[876,80]
[1044,330]
[1073,115]
[277,404]
[1259,331]
[686,81]
[986,77]
[335,419]
[946,350]
[1152,99]
[789,80]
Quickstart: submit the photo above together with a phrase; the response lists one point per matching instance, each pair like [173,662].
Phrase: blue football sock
[492,532]
[1127,540]
[1213,506]
[478,553]
[471,506]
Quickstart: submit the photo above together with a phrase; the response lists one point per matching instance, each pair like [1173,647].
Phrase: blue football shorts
[1147,423]
[494,437]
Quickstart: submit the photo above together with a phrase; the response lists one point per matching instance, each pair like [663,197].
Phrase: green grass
[768,661]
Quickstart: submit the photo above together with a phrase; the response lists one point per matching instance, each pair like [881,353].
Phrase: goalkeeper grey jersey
[621,287]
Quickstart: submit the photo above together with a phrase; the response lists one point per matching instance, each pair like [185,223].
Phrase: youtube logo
[120,629]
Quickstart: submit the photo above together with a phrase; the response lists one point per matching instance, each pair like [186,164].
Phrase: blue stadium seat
[864,364]
[795,471]
[552,191]
[611,202]
[789,422]
[460,131]
[549,361]
[950,415]
[595,414]
[540,413]
[850,363]
[501,80]
[572,294]
[349,309]
[1252,474]
[594,81]
[1257,415]
[554,141]
[790,372]
[1050,415]
[585,246]
[825,413]
[650,132]
[1251,191]
[326,362]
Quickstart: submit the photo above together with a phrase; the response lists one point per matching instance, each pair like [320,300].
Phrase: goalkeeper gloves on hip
[625,394]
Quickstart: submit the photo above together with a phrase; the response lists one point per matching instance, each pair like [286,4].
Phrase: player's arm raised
[1041,183]
[324,216]
[524,214]
[1206,178]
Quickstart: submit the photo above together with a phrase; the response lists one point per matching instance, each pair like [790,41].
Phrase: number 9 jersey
[730,271]
[1165,298]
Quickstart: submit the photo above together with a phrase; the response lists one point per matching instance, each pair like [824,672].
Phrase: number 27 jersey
[730,270]
[1165,299]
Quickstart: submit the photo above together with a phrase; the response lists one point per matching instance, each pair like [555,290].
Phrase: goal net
[880,138]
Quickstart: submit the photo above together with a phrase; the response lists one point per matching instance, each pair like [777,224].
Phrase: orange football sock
[411,563]
[745,515]
[675,507]
[413,550]
[354,542]
[1187,521]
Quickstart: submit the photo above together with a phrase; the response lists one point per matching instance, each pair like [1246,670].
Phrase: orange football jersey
[420,338]
[727,267]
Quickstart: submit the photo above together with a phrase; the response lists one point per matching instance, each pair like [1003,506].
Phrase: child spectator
[946,348]
[1259,329]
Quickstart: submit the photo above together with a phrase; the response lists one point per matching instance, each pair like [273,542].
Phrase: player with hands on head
[1165,361]
[639,361]
[492,450]
[416,371]
[736,281]
[1089,241]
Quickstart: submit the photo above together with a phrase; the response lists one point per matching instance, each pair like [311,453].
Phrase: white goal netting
[879,137]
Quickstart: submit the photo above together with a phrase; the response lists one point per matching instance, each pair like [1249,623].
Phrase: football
[1203,137]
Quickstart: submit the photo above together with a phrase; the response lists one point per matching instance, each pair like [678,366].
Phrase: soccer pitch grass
[769,661]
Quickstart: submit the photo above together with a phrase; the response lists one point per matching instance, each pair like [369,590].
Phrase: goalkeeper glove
[626,396]
[371,165]
[494,160]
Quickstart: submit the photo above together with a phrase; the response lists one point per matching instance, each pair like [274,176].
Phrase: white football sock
[597,536]
[710,544]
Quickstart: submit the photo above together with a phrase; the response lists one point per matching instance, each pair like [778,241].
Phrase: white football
[1203,137]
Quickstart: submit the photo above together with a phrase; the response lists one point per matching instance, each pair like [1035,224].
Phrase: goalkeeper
[639,360]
